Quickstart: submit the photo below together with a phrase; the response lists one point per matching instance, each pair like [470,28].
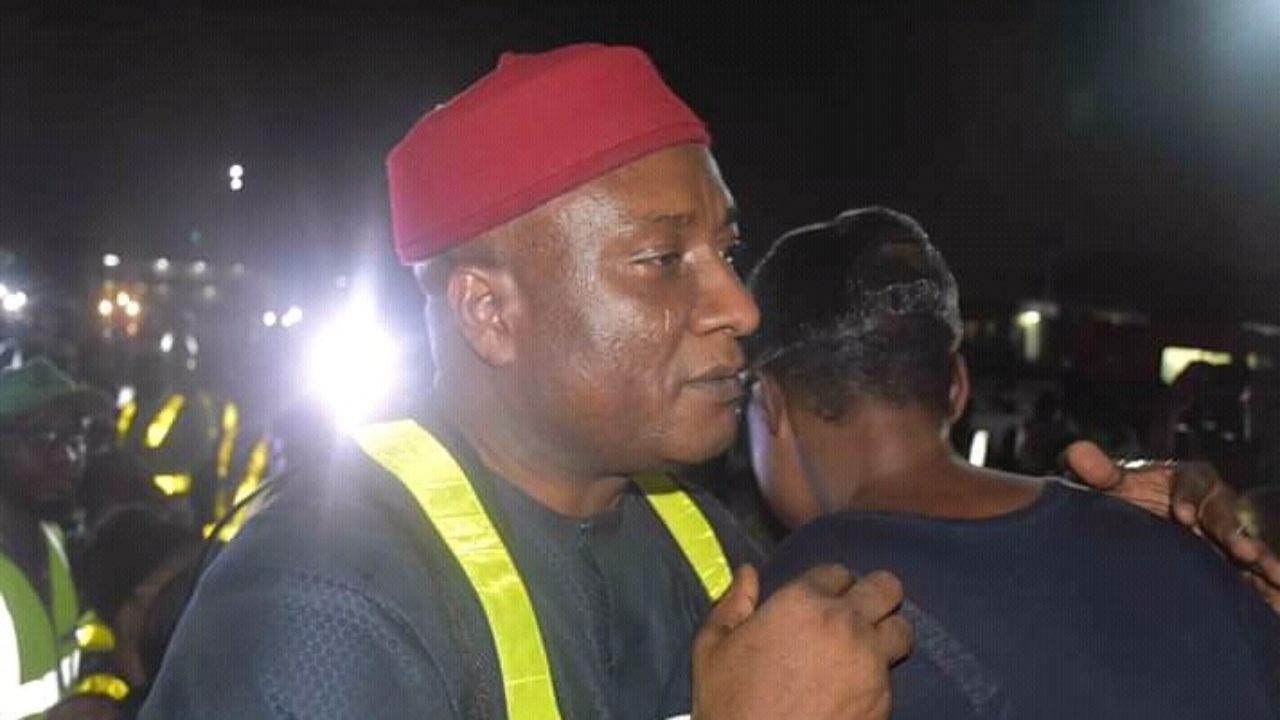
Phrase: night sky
[1118,149]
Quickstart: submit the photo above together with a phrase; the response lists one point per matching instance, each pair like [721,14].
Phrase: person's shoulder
[340,518]
[1101,518]
[827,540]
[291,634]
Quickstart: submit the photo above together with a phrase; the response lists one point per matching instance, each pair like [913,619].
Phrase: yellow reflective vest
[39,658]
[447,500]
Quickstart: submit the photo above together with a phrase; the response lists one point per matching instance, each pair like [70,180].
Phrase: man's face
[42,458]
[629,343]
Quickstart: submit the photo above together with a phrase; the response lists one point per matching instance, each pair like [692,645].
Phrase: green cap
[33,385]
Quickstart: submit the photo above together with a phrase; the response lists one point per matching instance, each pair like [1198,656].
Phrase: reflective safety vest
[96,642]
[178,438]
[38,653]
[255,470]
[435,480]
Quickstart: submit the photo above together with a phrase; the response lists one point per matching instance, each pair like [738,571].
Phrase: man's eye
[664,260]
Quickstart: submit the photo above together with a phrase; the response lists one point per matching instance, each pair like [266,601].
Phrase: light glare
[354,365]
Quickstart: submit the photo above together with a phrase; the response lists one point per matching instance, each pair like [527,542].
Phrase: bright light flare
[111,260]
[354,366]
[14,302]
[133,309]
[269,319]
[291,317]
[106,307]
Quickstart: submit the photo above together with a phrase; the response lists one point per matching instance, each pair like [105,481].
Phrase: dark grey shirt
[339,600]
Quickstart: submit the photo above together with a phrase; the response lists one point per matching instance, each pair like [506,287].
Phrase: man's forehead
[674,187]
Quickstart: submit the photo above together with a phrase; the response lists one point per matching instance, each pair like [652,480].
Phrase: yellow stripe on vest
[448,501]
[691,530]
[102,684]
[124,422]
[162,423]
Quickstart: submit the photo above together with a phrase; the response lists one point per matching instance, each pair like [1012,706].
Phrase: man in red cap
[517,549]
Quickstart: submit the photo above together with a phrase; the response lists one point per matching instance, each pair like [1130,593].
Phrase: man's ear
[767,392]
[485,301]
[958,398]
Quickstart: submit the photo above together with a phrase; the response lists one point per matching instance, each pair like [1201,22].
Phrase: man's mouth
[725,383]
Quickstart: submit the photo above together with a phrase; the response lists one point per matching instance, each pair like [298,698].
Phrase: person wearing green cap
[42,451]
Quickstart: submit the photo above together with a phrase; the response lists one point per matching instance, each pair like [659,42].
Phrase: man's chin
[703,444]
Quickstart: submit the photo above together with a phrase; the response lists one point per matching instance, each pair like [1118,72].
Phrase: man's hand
[819,649]
[1193,494]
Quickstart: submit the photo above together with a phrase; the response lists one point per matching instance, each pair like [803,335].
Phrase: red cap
[534,128]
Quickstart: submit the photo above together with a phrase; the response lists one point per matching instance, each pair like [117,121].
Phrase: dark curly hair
[862,305]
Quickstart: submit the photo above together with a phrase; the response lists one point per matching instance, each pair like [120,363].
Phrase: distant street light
[269,319]
[291,317]
[105,308]
[236,171]
[14,302]
[111,260]
[237,184]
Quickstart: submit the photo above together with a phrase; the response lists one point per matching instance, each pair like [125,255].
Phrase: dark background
[1119,150]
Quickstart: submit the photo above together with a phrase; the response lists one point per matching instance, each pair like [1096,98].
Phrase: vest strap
[689,526]
[448,501]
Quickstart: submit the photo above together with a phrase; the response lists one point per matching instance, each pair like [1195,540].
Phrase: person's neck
[548,475]
[901,460]
[19,530]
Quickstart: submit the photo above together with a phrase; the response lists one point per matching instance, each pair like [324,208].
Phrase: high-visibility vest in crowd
[39,657]
[256,465]
[441,488]
[174,456]
[97,643]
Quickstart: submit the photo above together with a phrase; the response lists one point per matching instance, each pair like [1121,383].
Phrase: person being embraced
[1030,597]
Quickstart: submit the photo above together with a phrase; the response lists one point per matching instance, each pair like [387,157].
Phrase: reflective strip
[65,610]
[124,421]
[256,467]
[230,427]
[163,422]
[94,636]
[173,483]
[31,698]
[692,532]
[448,501]
[103,684]
[69,668]
[31,633]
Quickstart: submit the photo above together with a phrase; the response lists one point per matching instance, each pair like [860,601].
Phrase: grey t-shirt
[339,600]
